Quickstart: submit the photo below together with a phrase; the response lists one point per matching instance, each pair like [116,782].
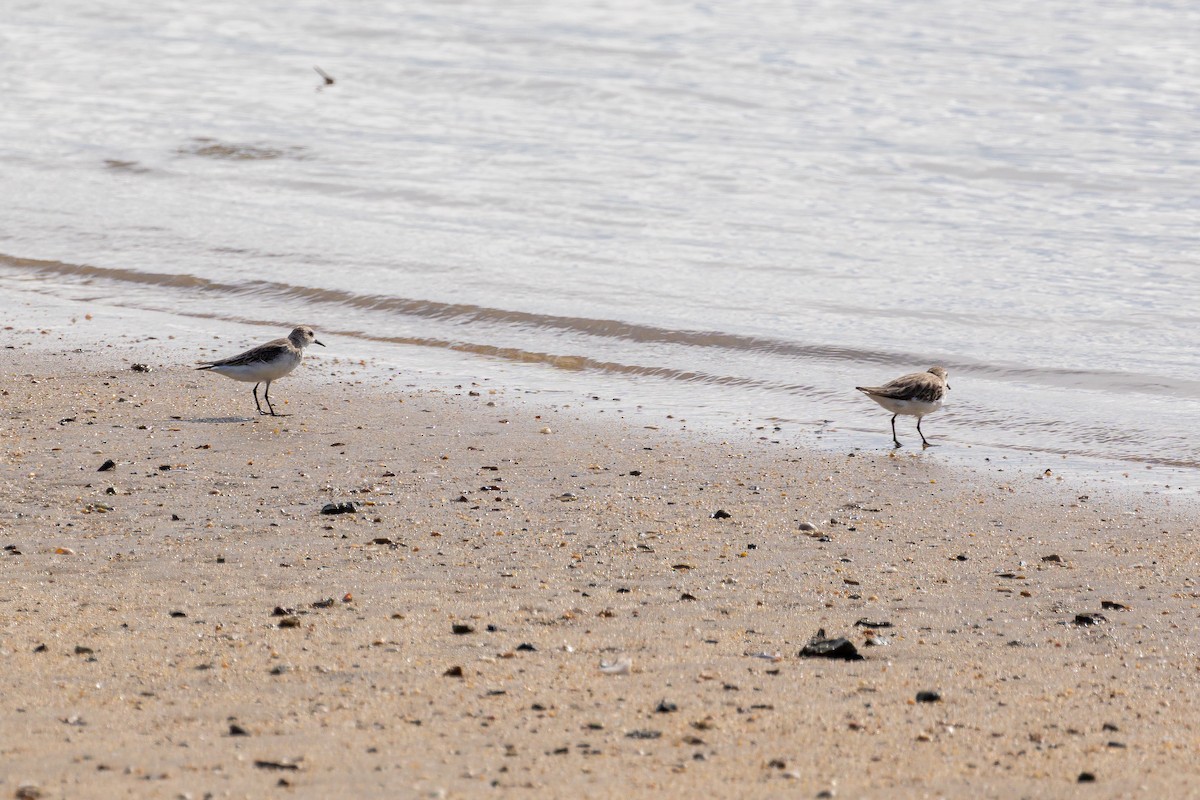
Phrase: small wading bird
[265,363]
[917,394]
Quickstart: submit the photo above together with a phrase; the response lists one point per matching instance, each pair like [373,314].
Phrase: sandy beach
[526,599]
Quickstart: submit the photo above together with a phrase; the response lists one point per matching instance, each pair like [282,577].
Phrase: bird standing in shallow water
[265,363]
[917,394]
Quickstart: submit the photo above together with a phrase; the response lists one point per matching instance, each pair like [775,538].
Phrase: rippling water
[733,210]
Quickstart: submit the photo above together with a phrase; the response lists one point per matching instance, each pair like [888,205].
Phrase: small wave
[468,315]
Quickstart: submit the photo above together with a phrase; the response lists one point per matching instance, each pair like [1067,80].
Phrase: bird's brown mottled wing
[920,386]
[255,355]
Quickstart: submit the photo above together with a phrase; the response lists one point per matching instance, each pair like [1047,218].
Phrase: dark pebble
[178,613]
[275,765]
[80,650]
[527,647]
[461,628]
[107,465]
[1108,726]
[238,730]
[140,368]
[929,697]
[1053,558]
[687,596]
[280,611]
[721,513]
[453,672]
[961,557]
[665,707]
[643,734]
[41,648]
[635,472]
[289,622]
[338,508]
[1086,777]
[1084,620]
[1112,605]
[839,648]
[866,623]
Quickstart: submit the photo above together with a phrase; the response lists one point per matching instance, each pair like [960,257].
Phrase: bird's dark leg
[894,439]
[267,395]
[256,404]
[924,443]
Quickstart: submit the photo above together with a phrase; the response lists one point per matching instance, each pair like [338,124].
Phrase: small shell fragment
[622,666]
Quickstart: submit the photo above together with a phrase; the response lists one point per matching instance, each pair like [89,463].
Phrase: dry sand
[143,656]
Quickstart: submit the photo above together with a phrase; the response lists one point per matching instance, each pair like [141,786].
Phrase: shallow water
[734,212]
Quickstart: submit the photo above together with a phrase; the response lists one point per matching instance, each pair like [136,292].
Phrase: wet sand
[188,622]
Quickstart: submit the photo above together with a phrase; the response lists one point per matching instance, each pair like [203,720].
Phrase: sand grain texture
[138,625]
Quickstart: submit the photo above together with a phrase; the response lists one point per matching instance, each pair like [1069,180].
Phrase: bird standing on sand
[917,394]
[265,363]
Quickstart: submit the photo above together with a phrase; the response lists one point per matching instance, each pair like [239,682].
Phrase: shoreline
[188,337]
[141,622]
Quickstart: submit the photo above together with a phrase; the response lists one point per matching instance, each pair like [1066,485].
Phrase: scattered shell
[622,666]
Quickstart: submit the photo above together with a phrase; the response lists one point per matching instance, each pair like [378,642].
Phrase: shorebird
[265,363]
[917,394]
